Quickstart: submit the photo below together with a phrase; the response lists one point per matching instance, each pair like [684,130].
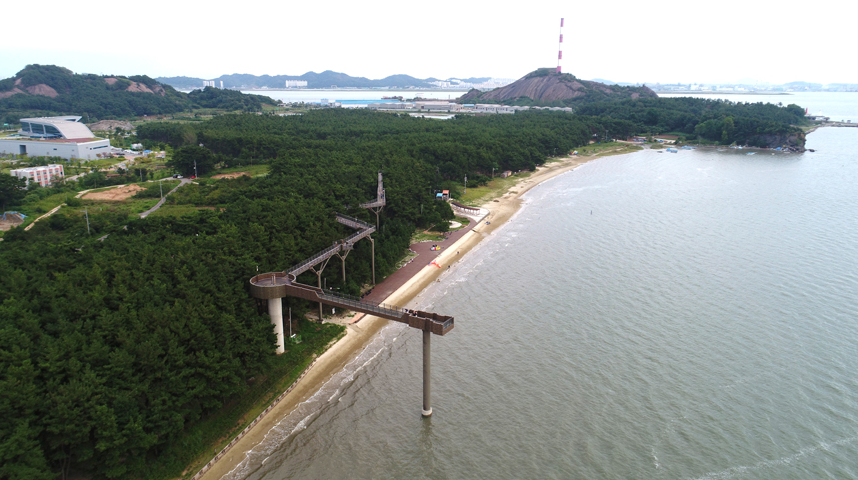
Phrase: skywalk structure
[377,204]
[274,286]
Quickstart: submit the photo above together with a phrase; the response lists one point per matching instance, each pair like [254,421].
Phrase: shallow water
[653,315]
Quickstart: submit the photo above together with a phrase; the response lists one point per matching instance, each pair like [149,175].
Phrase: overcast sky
[622,41]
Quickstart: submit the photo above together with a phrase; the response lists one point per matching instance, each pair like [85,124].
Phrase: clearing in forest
[121,193]
[231,175]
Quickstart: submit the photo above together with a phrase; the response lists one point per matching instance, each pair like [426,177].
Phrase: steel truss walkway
[274,286]
[281,284]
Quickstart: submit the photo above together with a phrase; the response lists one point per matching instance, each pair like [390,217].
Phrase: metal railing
[317,258]
[465,207]
[353,222]
[375,203]
[270,279]
[364,230]
[350,300]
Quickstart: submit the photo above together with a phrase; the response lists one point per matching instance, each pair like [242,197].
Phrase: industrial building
[63,137]
[437,107]
[390,106]
[43,175]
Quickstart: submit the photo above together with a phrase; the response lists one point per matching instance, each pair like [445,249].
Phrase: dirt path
[53,211]
[145,214]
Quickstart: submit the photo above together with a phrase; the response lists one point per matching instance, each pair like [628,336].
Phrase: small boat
[752,153]
[672,150]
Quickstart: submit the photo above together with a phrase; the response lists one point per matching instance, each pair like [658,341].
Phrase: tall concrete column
[275,311]
[427,368]
[321,318]
[373,258]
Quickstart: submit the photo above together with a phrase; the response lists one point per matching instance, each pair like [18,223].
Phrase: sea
[688,315]
[354,98]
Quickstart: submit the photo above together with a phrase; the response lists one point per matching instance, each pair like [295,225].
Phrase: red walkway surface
[424,257]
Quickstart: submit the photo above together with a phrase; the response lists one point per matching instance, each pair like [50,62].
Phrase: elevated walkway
[379,202]
[271,285]
[364,230]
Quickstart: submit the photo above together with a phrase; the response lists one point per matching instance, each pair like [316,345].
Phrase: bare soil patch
[110,125]
[120,193]
[10,221]
[231,175]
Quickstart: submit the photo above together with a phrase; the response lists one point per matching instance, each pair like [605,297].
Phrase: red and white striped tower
[560,47]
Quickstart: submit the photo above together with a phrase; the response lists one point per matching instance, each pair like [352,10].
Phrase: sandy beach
[360,334]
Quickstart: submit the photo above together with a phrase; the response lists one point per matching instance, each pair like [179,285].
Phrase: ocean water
[653,315]
[353,98]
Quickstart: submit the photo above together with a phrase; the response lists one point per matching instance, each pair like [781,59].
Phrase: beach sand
[360,334]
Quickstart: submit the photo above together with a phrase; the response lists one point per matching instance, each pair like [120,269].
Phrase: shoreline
[359,335]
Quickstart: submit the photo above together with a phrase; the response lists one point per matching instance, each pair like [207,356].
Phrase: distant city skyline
[668,42]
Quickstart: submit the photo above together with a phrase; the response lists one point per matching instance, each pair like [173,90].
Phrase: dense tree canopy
[233,100]
[714,120]
[11,189]
[111,348]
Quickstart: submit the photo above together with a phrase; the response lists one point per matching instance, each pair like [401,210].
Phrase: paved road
[145,214]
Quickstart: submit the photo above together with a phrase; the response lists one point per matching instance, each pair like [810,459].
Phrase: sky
[622,41]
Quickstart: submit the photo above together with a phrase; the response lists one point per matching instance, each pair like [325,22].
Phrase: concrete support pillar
[275,311]
[373,258]
[427,369]
[321,319]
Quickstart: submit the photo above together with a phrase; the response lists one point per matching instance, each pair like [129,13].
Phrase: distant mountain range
[326,79]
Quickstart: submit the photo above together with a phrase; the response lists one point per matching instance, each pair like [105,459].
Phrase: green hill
[47,90]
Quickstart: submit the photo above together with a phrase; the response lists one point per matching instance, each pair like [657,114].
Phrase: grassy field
[256,170]
[494,189]
[607,149]
[429,236]
[37,209]
[130,207]
[174,210]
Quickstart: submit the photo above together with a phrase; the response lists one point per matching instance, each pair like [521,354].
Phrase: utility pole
[87,221]
[161,187]
[195,167]
[466,185]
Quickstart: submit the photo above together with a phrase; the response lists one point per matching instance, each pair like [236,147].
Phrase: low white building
[491,108]
[438,107]
[45,176]
[63,137]
[390,106]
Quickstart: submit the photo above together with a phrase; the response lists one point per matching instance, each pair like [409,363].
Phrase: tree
[185,158]
[11,189]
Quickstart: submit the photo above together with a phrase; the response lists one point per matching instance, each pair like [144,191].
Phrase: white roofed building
[63,137]
[55,127]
